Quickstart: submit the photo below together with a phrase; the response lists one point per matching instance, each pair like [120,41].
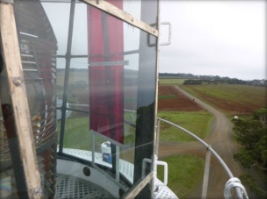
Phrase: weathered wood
[11,54]
[135,190]
[113,10]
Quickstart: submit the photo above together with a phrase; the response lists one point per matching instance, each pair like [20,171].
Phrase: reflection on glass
[58,15]
[76,135]
[60,75]
[111,93]
[38,49]
[79,40]
[78,88]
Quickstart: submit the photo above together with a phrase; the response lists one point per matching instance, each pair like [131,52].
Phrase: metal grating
[163,191]
[69,187]
[126,169]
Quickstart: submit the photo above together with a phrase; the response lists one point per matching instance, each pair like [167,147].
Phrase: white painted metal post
[117,163]
[206,175]
[93,147]
[157,138]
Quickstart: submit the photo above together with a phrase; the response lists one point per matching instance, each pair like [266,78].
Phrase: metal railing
[233,182]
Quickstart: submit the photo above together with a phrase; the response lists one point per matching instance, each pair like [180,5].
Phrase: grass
[196,122]
[231,92]
[78,136]
[170,81]
[185,172]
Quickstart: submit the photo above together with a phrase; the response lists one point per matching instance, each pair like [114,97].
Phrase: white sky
[225,38]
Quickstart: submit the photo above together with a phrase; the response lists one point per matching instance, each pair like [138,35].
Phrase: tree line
[212,79]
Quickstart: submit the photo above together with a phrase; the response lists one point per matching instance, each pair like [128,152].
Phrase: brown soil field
[170,99]
[233,108]
[130,97]
[231,99]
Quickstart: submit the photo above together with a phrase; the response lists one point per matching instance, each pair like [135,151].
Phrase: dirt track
[220,139]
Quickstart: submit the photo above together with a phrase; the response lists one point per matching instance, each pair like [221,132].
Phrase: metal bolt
[17,81]
[37,191]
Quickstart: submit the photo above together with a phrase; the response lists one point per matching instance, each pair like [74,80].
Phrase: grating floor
[126,169]
[69,187]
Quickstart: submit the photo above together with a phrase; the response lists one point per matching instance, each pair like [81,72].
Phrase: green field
[196,122]
[185,172]
[77,133]
[78,136]
[170,81]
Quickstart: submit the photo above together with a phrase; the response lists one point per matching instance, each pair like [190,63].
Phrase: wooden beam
[11,55]
[113,10]
[136,189]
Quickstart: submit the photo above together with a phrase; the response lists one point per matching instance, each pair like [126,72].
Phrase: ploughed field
[170,99]
[233,99]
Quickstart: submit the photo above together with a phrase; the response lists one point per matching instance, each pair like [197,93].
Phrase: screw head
[17,81]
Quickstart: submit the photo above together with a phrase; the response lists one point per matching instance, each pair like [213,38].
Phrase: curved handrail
[239,187]
[202,142]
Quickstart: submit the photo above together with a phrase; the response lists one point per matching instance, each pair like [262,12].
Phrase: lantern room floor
[71,182]
[69,187]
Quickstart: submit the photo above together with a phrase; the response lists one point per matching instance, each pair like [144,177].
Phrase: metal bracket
[157,162]
[235,183]
[170,33]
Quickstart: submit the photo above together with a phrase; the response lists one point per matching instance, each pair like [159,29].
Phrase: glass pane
[58,15]
[76,135]
[61,64]
[79,40]
[7,177]
[38,48]
[110,93]
[78,88]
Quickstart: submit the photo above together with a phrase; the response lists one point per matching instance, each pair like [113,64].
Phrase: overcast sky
[225,38]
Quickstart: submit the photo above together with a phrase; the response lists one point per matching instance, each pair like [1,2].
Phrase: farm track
[220,139]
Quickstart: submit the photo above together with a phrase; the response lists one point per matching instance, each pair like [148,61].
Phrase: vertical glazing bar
[117,163]
[93,148]
[157,137]
[206,175]
[66,78]
[156,121]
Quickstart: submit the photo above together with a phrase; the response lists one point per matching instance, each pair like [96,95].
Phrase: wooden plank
[113,10]
[11,54]
[136,189]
